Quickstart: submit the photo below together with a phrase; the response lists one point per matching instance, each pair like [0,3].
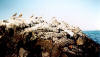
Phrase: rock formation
[35,37]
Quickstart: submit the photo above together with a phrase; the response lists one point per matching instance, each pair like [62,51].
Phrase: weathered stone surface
[80,41]
[35,37]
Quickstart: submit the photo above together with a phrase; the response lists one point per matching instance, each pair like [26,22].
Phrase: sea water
[94,35]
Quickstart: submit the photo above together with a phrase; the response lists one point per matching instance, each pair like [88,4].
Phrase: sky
[82,13]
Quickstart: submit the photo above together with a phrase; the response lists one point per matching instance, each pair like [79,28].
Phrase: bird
[20,15]
[14,14]
[32,16]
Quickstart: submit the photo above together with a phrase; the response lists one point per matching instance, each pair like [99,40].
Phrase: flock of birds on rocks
[53,21]
[36,37]
[42,23]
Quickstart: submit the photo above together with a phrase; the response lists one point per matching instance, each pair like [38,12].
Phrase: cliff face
[35,37]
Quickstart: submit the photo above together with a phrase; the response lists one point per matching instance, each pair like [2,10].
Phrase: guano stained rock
[35,37]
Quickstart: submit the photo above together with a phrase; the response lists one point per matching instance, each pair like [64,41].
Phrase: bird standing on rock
[14,16]
[32,16]
[20,15]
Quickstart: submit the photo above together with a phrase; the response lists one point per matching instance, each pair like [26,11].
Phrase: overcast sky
[83,13]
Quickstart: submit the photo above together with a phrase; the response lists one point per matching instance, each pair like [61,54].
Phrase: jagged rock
[80,41]
[36,37]
[23,53]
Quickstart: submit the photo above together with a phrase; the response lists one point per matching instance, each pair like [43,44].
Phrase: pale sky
[82,13]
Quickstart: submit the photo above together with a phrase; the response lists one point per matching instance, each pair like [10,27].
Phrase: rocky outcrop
[35,37]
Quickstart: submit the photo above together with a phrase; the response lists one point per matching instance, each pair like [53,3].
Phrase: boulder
[35,37]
